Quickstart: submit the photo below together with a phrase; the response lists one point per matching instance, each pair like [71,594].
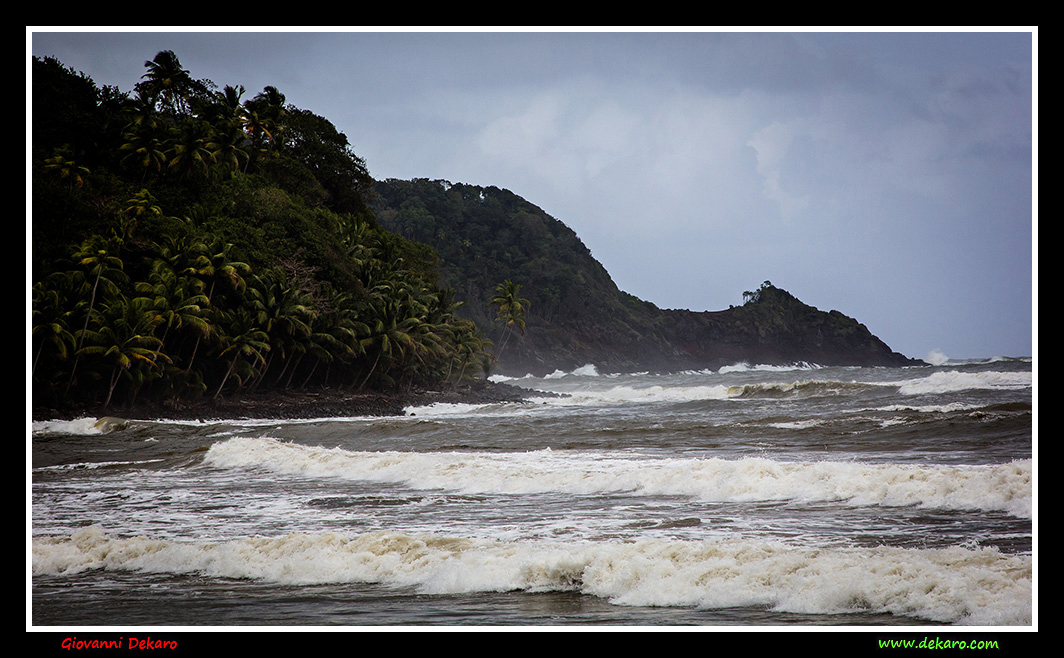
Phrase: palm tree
[101,267]
[227,107]
[245,340]
[142,204]
[124,340]
[268,106]
[470,346]
[176,301]
[389,335]
[137,207]
[141,112]
[227,146]
[324,347]
[167,81]
[341,320]
[189,154]
[211,263]
[260,136]
[50,324]
[63,163]
[145,151]
[284,313]
[270,103]
[511,309]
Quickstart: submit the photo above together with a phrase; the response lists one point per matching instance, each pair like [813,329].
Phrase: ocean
[750,496]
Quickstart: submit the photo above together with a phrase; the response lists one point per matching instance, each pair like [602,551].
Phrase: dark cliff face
[776,328]
[576,314]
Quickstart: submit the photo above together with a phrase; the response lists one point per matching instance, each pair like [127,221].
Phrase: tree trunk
[111,388]
[374,367]
[226,378]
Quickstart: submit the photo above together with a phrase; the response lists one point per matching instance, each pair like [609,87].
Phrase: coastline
[296,404]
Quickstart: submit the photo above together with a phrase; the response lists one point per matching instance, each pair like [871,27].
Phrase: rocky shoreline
[301,404]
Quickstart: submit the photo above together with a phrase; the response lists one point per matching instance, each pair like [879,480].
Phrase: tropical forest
[191,241]
[194,243]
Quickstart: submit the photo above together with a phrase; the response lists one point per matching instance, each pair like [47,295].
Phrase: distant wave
[746,367]
[947,381]
[807,388]
[591,370]
[954,585]
[939,382]
[1004,487]
[953,380]
[588,370]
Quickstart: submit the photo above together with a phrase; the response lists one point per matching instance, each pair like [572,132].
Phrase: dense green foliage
[189,242]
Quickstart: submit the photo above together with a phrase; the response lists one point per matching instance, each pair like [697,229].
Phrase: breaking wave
[955,585]
[1003,487]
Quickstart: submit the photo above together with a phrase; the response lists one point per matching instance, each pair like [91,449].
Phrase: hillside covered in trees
[190,242]
[193,242]
[576,314]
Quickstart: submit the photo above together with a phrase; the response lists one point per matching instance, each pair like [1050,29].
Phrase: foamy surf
[935,383]
[953,381]
[1005,487]
[79,426]
[955,585]
[754,496]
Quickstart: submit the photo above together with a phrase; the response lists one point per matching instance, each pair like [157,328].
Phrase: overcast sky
[888,175]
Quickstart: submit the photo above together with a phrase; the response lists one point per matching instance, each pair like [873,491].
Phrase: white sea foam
[94,465]
[746,367]
[930,408]
[797,424]
[78,426]
[1004,487]
[588,370]
[629,394]
[956,585]
[445,409]
[936,358]
[952,380]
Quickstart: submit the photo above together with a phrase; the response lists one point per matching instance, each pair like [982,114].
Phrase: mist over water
[750,495]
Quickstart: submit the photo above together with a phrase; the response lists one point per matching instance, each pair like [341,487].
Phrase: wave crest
[1003,487]
[954,585]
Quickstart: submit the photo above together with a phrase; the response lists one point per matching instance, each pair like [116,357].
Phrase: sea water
[745,496]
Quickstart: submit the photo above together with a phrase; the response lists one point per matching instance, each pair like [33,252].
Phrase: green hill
[577,315]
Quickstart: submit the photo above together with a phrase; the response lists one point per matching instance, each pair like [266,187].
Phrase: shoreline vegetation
[195,250]
[203,252]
